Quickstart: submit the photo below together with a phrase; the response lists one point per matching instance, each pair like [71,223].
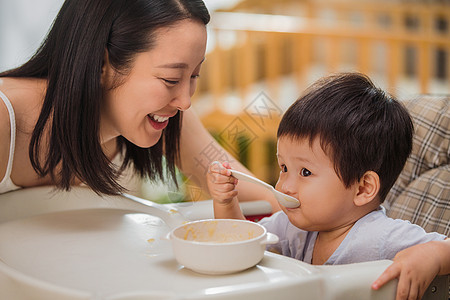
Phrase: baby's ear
[368,188]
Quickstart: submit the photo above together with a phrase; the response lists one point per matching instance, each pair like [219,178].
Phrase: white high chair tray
[79,245]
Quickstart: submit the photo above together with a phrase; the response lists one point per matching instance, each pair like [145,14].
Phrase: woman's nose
[182,102]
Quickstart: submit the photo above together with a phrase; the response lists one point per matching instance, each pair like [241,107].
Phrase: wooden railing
[388,40]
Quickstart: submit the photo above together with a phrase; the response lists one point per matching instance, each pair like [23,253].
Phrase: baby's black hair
[361,127]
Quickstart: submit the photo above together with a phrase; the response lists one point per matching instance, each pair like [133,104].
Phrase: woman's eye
[195,76]
[305,172]
[283,168]
[172,82]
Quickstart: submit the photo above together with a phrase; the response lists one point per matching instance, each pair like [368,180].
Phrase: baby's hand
[415,268]
[221,185]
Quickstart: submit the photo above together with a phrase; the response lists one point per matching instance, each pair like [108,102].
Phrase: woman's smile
[158,122]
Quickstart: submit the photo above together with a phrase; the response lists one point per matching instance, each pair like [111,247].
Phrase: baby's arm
[222,187]
[416,267]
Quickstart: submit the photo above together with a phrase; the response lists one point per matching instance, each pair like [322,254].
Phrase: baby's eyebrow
[297,158]
[301,159]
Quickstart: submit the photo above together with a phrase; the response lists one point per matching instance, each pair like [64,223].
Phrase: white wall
[23,26]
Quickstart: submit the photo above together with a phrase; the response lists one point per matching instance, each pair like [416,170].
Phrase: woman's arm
[5,133]
[199,149]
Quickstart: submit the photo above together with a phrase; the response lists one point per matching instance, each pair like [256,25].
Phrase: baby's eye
[283,168]
[305,172]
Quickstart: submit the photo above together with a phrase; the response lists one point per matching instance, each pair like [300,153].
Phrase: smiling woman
[103,94]
[112,80]
[164,74]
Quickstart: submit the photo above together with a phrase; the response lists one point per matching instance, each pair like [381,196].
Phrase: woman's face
[160,83]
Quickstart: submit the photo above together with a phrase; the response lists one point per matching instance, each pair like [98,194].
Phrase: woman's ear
[368,188]
[105,68]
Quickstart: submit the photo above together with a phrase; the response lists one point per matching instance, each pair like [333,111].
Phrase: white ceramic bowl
[220,246]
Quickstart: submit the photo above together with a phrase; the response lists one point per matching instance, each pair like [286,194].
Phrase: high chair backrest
[422,192]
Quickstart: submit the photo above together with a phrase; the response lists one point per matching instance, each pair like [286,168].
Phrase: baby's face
[307,173]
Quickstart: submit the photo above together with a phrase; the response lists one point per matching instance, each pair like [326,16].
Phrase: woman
[112,78]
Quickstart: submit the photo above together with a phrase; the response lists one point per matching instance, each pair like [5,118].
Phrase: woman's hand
[415,268]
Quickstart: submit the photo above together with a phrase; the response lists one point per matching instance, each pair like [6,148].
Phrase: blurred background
[262,54]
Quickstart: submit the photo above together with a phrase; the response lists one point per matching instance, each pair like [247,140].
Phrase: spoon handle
[243,176]
[284,199]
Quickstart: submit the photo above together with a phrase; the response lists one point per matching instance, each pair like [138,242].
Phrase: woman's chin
[147,142]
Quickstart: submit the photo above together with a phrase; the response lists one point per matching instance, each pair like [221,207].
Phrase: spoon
[283,199]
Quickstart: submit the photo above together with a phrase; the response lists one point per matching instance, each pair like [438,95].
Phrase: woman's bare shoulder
[26,96]
[4,117]
[5,136]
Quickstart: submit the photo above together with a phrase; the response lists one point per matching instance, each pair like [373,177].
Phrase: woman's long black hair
[71,59]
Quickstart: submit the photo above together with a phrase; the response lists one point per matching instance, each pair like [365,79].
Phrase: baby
[341,147]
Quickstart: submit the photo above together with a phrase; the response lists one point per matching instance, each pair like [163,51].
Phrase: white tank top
[6,184]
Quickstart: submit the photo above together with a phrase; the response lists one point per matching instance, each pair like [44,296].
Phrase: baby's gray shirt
[373,237]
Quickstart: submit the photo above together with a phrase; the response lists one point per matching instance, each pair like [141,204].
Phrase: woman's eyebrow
[174,66]
[177,65]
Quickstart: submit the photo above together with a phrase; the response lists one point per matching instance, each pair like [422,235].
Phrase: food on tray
[207,232]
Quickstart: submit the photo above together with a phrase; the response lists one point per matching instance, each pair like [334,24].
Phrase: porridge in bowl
[220,246]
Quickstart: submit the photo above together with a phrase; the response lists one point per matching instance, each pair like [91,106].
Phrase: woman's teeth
[158,118]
